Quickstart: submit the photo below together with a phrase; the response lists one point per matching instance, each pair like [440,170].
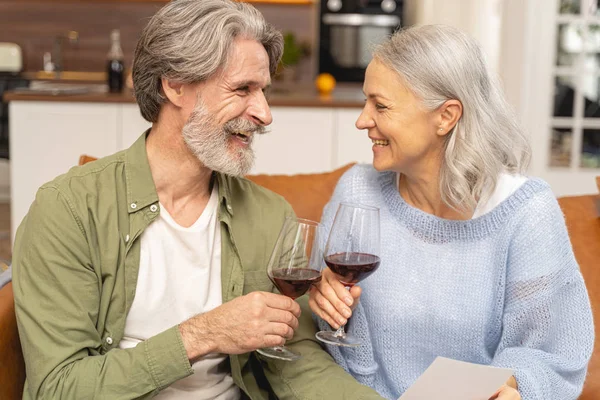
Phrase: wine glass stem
[341,332]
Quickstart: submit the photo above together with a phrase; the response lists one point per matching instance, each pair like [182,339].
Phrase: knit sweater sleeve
[548,332]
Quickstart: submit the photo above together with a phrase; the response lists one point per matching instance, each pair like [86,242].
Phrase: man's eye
[380,106]
[245,89]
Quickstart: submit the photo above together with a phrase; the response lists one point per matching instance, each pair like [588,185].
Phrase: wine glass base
[279,352]
[330,337]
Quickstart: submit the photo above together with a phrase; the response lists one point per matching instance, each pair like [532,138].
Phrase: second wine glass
[295,264]
[352,253]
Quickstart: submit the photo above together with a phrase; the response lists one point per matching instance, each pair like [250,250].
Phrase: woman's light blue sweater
[503,289]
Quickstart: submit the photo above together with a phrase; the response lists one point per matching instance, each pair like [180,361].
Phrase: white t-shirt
[179,277]
[507,184]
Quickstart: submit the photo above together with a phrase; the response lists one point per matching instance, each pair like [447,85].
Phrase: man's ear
[174,91]
[449,114]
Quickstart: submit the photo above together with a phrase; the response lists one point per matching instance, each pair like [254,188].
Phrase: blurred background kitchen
[57,106]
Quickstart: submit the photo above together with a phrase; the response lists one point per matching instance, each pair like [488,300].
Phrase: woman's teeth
[381,142]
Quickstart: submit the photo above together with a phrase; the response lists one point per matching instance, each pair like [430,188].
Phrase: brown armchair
[12,366]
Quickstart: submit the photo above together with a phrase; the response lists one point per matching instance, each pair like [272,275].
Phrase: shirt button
[133,206]
[127,239]
[153,208]
[109,340]
[228,207]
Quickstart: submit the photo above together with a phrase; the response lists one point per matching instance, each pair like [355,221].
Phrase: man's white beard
[212,144]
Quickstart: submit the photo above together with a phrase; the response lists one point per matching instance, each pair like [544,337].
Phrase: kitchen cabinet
[351,144]
[131,126]
[300,140]
[47,138]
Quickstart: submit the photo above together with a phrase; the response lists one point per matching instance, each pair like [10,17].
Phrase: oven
[348,31]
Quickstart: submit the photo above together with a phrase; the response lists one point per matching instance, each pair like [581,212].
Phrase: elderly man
[143,274]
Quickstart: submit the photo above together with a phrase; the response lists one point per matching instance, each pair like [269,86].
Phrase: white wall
[482,19]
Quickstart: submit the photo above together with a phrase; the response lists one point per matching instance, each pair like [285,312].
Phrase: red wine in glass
[352,267]
[296,281]
[351,253]
[294,265]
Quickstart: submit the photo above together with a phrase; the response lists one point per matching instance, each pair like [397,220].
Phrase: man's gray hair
[189,40]
[438,63]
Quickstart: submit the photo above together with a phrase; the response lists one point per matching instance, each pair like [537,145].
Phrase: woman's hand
[331,301]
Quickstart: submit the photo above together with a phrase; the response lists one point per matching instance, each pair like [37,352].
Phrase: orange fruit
[325,83]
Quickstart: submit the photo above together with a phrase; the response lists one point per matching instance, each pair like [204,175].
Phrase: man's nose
[259,110]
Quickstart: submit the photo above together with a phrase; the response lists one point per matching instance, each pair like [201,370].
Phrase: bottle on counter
[115,63]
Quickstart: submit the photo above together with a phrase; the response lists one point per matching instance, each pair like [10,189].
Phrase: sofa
[308,194]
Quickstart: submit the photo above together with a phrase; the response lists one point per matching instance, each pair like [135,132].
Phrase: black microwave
[349,29]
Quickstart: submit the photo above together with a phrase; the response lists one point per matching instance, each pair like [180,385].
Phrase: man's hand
[331,301]
[247,323]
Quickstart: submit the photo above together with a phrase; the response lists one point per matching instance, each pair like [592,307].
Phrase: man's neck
[182,183]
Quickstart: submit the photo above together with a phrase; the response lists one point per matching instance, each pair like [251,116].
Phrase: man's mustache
[240,124]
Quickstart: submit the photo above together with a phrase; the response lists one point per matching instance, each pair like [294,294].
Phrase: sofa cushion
[307,193]
[12,366]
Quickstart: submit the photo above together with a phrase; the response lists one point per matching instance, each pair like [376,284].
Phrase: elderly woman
[476,262]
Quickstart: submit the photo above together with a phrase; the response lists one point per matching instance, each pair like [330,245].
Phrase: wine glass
[352,252]
[295,264]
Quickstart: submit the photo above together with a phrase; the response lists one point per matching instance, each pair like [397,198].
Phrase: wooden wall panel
[34,25]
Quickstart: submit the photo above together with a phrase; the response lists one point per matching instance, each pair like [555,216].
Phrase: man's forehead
[247,55]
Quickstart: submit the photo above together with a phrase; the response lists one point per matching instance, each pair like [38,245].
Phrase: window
[575,121]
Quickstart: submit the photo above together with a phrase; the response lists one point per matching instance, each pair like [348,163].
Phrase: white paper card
[457,380]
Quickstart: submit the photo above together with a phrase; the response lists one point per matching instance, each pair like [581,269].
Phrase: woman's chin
[381,166]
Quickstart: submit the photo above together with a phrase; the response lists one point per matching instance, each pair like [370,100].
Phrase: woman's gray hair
[438,63]
[189,40]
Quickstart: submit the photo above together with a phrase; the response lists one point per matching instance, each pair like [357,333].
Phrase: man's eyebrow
[250,83]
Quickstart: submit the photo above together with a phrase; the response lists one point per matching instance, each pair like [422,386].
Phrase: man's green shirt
[76,262]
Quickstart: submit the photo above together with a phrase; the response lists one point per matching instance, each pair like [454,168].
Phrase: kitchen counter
[344,96]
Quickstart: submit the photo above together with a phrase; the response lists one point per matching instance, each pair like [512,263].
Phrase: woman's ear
[173,91]
[449,114]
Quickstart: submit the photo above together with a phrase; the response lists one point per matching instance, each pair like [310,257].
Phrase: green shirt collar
[141,191]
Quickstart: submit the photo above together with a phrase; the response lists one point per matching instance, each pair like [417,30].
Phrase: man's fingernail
[348,300]
[347,313]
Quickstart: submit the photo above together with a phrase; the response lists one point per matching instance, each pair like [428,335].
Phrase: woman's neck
[423,192]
